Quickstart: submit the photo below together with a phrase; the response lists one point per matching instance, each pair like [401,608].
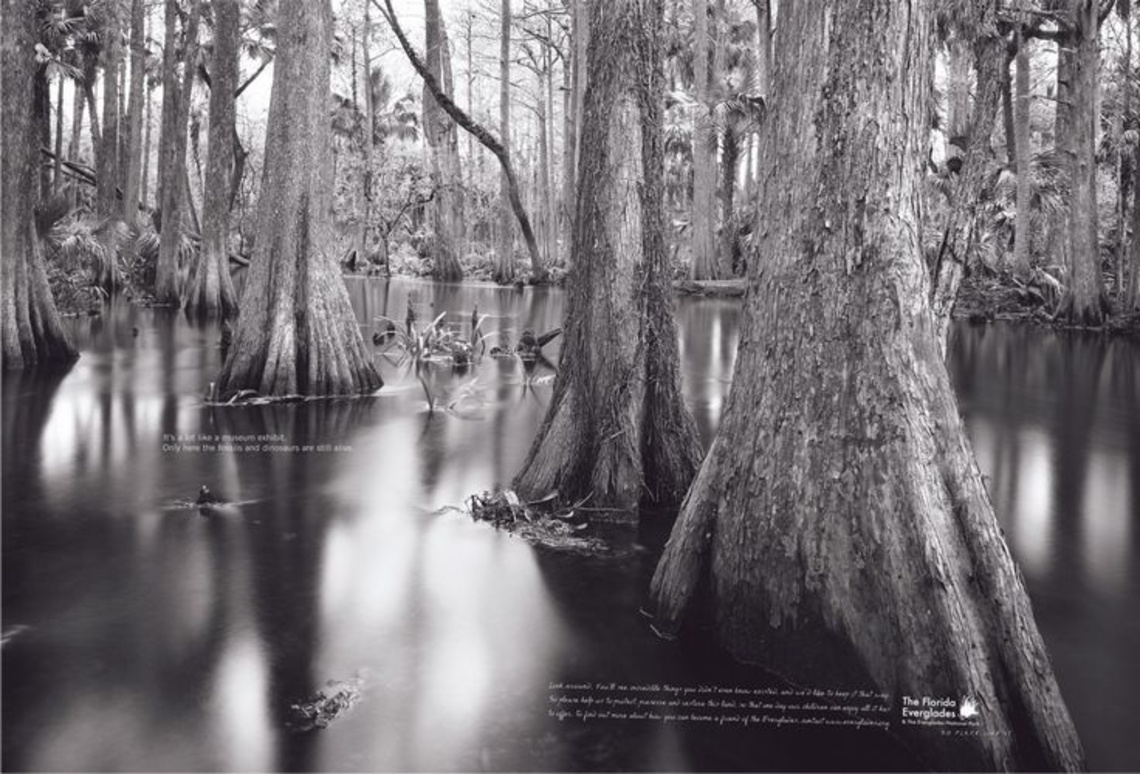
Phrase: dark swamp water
[145,637]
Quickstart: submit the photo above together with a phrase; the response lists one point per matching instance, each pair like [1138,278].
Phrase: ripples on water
[158,639]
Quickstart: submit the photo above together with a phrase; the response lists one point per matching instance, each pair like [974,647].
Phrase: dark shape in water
[207,498]
[324,706]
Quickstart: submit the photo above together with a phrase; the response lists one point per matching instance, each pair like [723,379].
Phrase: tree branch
[488,140]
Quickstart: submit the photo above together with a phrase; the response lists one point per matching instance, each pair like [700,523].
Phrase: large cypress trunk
[1085,302]
[30,330]
[211,288]
[296,332]
[442,138]
[839,528]
[617,429]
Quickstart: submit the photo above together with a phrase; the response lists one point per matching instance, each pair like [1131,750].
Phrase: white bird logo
[967,708]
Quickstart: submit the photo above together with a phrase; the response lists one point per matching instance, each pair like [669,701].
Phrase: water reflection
[162,639]
[1055,422]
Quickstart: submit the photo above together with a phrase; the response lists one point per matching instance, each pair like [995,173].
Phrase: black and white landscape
[576,385]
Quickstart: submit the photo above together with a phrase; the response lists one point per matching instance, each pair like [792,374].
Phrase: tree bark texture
[368,148]
[107,175]
[839,530]
[30,330]
[964,226]
[57,167]
[505,260]
[135,109]
[702,225]
[617,428]
[211,290]
[569,140]
[172,149]
[443,144]
[1084,302]
[296,332]
[1021,237]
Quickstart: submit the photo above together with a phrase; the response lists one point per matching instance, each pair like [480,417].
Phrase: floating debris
[545,522]
[325,706]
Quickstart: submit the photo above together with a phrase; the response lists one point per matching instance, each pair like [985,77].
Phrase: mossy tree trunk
[617,428]
[296,332]
[839,529]
[211,291]
[443,142]
[30,329]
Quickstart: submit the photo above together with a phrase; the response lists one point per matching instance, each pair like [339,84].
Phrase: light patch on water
[242,726]
[1106,524]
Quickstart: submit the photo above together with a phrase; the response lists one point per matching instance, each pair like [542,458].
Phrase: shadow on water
[157,638]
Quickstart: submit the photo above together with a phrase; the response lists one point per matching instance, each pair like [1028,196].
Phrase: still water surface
[146,637]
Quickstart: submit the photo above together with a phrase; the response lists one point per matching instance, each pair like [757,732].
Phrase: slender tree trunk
[958,98]
[30,330]
[175,176]
[1132,296]
[442,139]
[144,183]
[1022,238]
[78,103]
[41,97]
[569,137]
[296,332]
[468,30]
[1007,112]
[703,219]
[107,175]
[730,155]
[90,74]
[211,291]
[617,428]
[57,173]
[839,530]
[1124,161]
[1084,302]
[169,116]
[542,200]
[135,109]
[505,263]
[369,147]
[968,188]
[764,46]
[550,198]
